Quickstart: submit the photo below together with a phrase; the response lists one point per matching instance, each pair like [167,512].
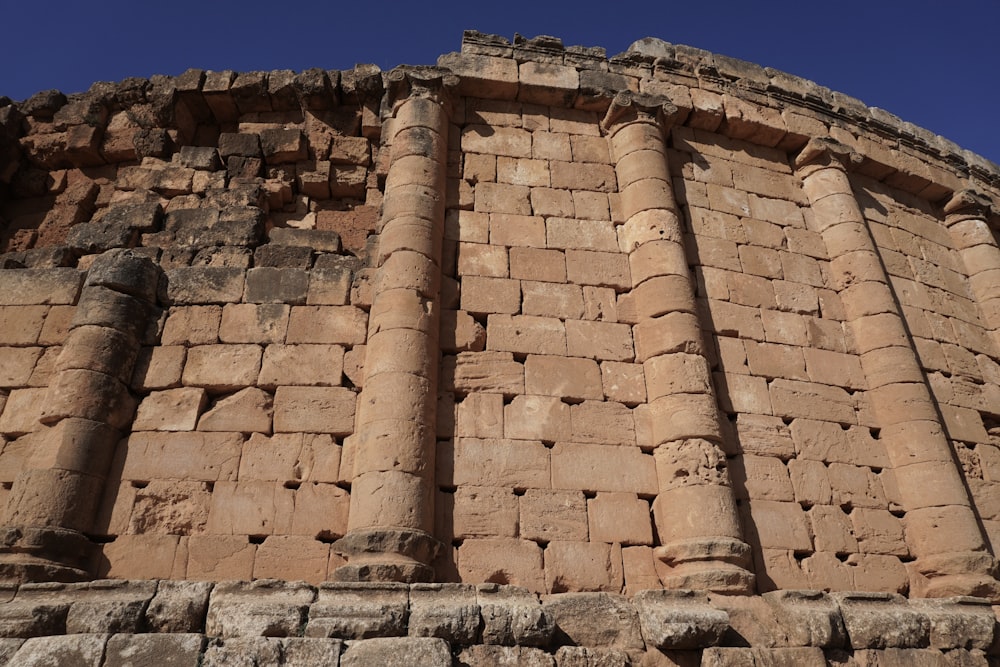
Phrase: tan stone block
[729,319]
[483,371]
[764,435]
[171,410]
[491,295]
[192,325]
[834,368]
[549,299]
[502,560]
[777,525]
[810,482]
[220,368]
[538,264]
[600,303]
[186,455]
[602,423]
[547,83]
[620,517]
[663,295]
[508,141]
[517,230]
[292,558]
[796,298]
[788,328]
[583,176]
[743,393]
[338,325]
[961,423]
[564,377]
[770,360]
[526,334]
[158,367]
[574,121]
[139,557]
[503,198]
[314,365]
[792,399]
[602,468]
[480,416]
[17,364]
[518,464]
[22,410]
[254,323]
[603,269]
[591,205]
[925,536]
[249,410]
[460,332]
[590,149]
[604,341]
[856,486]
[684,416]
[623,382]
[320,511]
[553,515]
[220,557]
[598,235]
[56,325]
[537,418]
[289,457]
[832,529]
[484,511]
[640,573]
[878,532]
[314,410]
[522,172]
[676,373]
[21,325]
[250,508]
[750,290]
[479,259]
[551,146]
[354,364]
[583,566]
[548,202]
[760,478]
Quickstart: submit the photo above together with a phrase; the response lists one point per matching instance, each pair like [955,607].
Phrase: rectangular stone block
[312,365]
[253,323]
[341,325]
[511,561]
[186,455]
[28,287]
[203,284]
[517,464]
[221,368]
[525,334]
[602,468]
[314,410]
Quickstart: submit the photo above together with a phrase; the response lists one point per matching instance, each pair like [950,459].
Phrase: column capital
[970,203]
[434,83]
[631,107]
[826,151]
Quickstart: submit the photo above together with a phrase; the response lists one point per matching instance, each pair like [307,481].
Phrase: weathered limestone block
[448,611]
[594,619]
[513,616]
[85,650]
[959,623]
[809,618]
[179,606]
[679,620]
[398,652]
[359,611]
[176,650]
[263,608]
[23,287]
[220,652]
[108,606]
[882,620]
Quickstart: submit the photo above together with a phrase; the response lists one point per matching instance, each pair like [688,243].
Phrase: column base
[40,554]
[719,565]
[386,555]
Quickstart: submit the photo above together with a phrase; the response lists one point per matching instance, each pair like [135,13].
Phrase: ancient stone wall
[532,322]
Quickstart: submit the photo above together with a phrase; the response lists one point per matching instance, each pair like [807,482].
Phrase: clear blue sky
[931,62]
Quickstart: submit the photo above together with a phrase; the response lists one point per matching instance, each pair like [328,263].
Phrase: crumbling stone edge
[277,622]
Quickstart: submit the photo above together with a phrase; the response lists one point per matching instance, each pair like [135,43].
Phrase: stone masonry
[533,356]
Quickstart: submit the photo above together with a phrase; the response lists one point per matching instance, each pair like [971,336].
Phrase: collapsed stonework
[534,356]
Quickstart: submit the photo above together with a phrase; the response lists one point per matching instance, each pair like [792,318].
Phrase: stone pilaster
[941,527]
[967,216]
[55,498]
[392,514]
[695,509]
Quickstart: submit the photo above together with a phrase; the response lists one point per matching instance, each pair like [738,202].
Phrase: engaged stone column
[695,509]
[941,528]
[392,514]
[967,216]
[88,407]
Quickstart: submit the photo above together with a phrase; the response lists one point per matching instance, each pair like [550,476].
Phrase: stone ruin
[532,357]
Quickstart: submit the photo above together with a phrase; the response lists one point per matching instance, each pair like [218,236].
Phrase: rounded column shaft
[941,527]
[392,509]
[695,508]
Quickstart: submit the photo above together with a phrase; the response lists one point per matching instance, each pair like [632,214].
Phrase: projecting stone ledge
[286,623]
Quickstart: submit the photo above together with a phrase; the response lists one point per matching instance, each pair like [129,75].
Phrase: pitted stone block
[77,650]
[959,623]
[679,619]
[263,608]
[359,611]
[398,652]
[448,611]
[513,616]
[179,606]
[242,651]
[882,620]
[108,606]
[494,656]
[809,618]
[38,612]
[594,619]
[173,650]
[299,652]
[581,656]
